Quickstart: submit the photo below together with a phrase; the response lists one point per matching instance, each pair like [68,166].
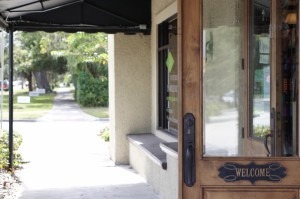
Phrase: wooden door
[239,99]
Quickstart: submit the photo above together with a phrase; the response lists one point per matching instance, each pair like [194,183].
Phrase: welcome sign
[232,172]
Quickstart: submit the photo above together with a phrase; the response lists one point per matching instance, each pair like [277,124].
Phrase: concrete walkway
[67,160]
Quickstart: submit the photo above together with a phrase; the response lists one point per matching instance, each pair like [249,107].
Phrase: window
[250,78]
[168,76]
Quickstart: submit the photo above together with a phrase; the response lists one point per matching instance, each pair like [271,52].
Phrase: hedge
[90,91]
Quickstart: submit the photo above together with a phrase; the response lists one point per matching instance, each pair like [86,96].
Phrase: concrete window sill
[170,148]
[150,144]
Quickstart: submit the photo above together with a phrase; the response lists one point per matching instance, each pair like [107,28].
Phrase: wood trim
[190,50]
[298,83]
[180,127]
[236,193]
[246,74]
[276,67]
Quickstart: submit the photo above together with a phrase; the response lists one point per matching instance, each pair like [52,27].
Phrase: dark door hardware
[189,150]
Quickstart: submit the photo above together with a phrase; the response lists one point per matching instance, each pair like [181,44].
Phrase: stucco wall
[164,182]
[133,101]
[130,90]
[159,5]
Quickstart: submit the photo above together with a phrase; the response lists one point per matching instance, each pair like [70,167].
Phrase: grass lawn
[38,107]
[100,112]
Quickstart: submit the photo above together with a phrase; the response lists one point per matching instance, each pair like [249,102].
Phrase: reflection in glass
[289,79]
[259,66]
[172,78]
[239,112]
[222,77]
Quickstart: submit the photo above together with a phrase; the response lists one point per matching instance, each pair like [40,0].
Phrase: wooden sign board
[232,172]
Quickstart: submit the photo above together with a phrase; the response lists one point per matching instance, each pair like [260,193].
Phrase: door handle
[189,168]
[272,135]
[266,144]
[189,162]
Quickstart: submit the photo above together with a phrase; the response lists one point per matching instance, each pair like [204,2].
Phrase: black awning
[111,16]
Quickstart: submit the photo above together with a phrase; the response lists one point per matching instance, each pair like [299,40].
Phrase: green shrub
[91,91]
[104,134]
[261,130]
[4,150]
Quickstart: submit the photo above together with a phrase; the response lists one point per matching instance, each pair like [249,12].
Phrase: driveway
[68,160]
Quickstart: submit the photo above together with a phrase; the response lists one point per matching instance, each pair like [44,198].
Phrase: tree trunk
[42,80]
[29,79]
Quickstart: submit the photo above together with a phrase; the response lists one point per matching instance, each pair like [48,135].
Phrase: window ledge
[150,144]
[170,148]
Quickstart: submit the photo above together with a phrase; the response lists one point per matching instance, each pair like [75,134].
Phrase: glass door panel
[279,139]
[250,91]
[289,78]
[259,34]
[222,77]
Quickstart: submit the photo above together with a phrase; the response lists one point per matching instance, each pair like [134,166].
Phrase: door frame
[189,84]
[190,101]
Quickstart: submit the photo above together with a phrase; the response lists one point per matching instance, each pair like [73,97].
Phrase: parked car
[229,97]
[5,85]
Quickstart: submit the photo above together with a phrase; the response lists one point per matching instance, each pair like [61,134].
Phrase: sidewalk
[68,160]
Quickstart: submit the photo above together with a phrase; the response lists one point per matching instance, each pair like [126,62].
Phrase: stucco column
[129,91]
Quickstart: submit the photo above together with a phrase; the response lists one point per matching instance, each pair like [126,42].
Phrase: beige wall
[164,182]
[133,101]
[129,90]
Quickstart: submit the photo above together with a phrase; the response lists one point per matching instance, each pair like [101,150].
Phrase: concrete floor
[68,160]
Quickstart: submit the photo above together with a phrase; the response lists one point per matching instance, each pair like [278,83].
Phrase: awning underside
[111,16]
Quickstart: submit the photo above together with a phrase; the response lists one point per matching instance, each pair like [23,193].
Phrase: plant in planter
[261,131]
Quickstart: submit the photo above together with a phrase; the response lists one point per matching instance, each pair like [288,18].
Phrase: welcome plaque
[232,172]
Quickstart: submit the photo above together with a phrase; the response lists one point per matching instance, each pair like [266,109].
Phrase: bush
[104,134]
[4,150]
[261,131]
[90,91]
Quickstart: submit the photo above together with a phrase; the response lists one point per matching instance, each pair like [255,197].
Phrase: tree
[38,59]
[45,66]
[87,54]
[47,55]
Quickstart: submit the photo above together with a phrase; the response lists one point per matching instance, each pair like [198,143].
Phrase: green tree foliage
[88,47]
[89,54]
[36,58]
[48,55]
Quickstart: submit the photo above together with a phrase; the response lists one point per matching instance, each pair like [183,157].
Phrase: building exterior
[206,105]
[136,131]
[210,109]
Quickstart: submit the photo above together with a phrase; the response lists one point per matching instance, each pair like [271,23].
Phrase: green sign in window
[170,62]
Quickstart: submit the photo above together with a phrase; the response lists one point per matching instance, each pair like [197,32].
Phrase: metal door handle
[272,135]
[189,168]
[189,163]
[266,144]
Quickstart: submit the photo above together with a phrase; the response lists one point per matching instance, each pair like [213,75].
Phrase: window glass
[222,77]
[259,65]
[250,78]
[168,76]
